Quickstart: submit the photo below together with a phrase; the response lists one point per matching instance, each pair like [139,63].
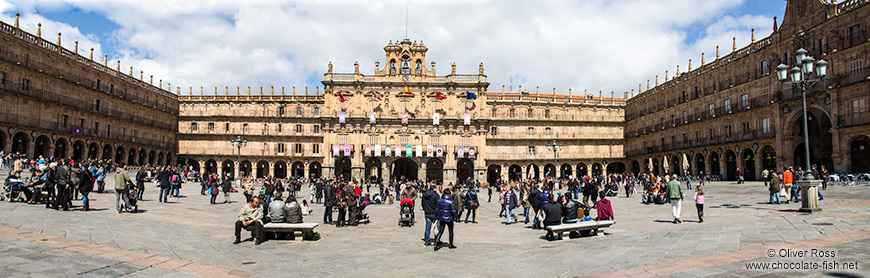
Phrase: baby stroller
[406,213]
[131,205]
[13,190]
[362,216]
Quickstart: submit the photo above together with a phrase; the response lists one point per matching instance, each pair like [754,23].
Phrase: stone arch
[161,161]
[40,146]
[193,165]
[748,162]
[279,170]
[821,139]
[616,168]
[210,167]
[60,147]
[314,169]
[597,170]
[19,143]
[582,170]
[2,141]
[119,154]
[565,171]
[262,169]
[152,157]
[228,167]
[143,157]
[635,167]
[730,165]
[93,150]
[245,168]
[107,152]
[715,164]
[768,158]
[493,173]
[435,170]
[297,169]
[515,173]
[465,169]
[342,170]
[549,170]
[859,154]
[532,172]
[700,164]
[131,156]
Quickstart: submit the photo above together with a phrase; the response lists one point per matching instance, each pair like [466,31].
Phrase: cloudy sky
[580,44]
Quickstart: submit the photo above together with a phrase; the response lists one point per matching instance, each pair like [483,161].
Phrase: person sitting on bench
[570,209]
[605,211]
[250,216]
[552,216]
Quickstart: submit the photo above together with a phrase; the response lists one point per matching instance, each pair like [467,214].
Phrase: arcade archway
[550,170]
[342,168]
[768,160]
[715,168]
[210,167]
[700,164]
[314,169]
[262,169]
[730,165]
[280,169]
[93,151]
[596,169]
[860,155]
[635,167]
[60,147]
[748,165]
[152,157]
[19,143]
[119,154]
[565,171]
[515,173]
[532,172]
[465,169]
[615,168]
[581,170]
[228,167]
[107,152]
[373,169]
[40,147]
[404,169]
[131,156]
[435,170]
[297,169]
[493,173]
[245,168]
[820,137]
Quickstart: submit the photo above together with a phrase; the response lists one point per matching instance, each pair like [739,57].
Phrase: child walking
[699,203]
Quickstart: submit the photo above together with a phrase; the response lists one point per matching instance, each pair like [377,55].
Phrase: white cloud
[29,21]
[595,45]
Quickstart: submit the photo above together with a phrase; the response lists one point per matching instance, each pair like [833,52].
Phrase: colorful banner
[460,152]
[77,130]
[419,150]
[335,150]
[430,151]
[372,118]
[378,150]
[471,152]
[409,151]
[387,151]
[467,119]
[341,116]
[368,150]
[346,149]
[439,151]
[436,118]
[398,151]
[405,118]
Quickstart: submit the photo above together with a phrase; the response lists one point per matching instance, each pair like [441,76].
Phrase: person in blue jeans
[774,188]
[163,180]
[430,203]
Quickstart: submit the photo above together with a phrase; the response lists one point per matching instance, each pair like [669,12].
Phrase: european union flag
[470,95]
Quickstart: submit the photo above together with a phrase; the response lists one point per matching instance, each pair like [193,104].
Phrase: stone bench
[290,228]
[580,226]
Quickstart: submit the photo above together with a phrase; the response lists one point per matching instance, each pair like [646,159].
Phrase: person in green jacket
[675,195]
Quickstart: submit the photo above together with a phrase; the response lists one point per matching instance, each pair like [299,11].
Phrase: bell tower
[405,58]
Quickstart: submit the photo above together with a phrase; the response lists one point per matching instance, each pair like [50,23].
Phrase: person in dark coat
[163,179]
[552,217]
[471,204]
[445,212]
[85,187]
[62,187]
[213,187]
[140,183]
[328,202]
[430,203]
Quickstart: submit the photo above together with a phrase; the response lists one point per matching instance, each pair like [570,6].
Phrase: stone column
[201,166]
[306,171]
[31,148]
[603,169]
[236,169]
[503,174]
[523,170]
[723,168]
[220,168]
[271,169]
[421,174]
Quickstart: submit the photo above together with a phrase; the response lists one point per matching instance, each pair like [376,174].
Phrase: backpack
[75,176]
[44,178]
[174,178]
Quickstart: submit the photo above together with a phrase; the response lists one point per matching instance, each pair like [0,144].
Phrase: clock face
[405,78]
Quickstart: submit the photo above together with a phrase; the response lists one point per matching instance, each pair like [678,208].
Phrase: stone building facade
[733,112]
[354,127]
[55,102]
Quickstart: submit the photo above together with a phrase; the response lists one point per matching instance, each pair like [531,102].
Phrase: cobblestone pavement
[189,237]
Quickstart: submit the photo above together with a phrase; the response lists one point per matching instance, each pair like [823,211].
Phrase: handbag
[474,204]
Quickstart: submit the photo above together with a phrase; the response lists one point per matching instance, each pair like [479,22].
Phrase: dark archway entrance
[152,157]
[676,166]
[768,158]
[465,169]
[2,141]
[262,169]
[245,169]
[404,169]
[748,165]
[314,170]
[131,156]
[655,166]
[615,168]
[160,158]
[119,154]
[700,165]
[19,143]
[493,173]
[40,147]
[635,167]
[515,173]
[730,166]
[280,169]
[143,156]
[193,165]
[93,151]
[228,167]
[581,170]
[820,137]
[107,152]
[210,167]
[565,171]
[297,169]
[342,168]
[60,148]
[596,169]
[373,169]
[715,168]
[860,155]
[435,170]
[550,170]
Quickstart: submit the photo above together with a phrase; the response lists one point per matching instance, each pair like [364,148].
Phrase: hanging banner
[419,150]
[467,119]
[439,151]
[460,153]
[387,151]
[346,149]
[398,150]
[471,152]
[409,151]
[405,118]
[372,118]
[368,150]
[378,150]
[341,116]
[335,150]
[430,151]
[436,118]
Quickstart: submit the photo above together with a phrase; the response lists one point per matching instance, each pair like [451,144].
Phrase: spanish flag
[408,90]
[439,96]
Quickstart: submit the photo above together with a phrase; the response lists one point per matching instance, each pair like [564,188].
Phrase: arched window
[393,66]
[406,65]
[419,68]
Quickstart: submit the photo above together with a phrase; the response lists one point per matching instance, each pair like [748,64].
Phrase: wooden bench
[580,226]
[290,228]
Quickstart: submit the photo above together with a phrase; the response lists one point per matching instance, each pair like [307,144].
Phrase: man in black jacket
[163,179]
[536,206]
[328,202]
[569,209]
[552,217]
[430,201]
[62,177]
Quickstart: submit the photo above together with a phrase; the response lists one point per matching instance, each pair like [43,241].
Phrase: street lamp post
[555,148]
[801,77]
[239,143]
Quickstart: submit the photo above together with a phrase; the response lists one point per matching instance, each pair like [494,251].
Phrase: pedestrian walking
[445,213]
[699,203]
[675,195]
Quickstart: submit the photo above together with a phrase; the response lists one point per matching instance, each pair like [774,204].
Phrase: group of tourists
[783,186]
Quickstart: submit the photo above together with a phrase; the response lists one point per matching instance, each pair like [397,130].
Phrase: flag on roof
[408,90]
[376,96]
[340,97]
[470,95]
